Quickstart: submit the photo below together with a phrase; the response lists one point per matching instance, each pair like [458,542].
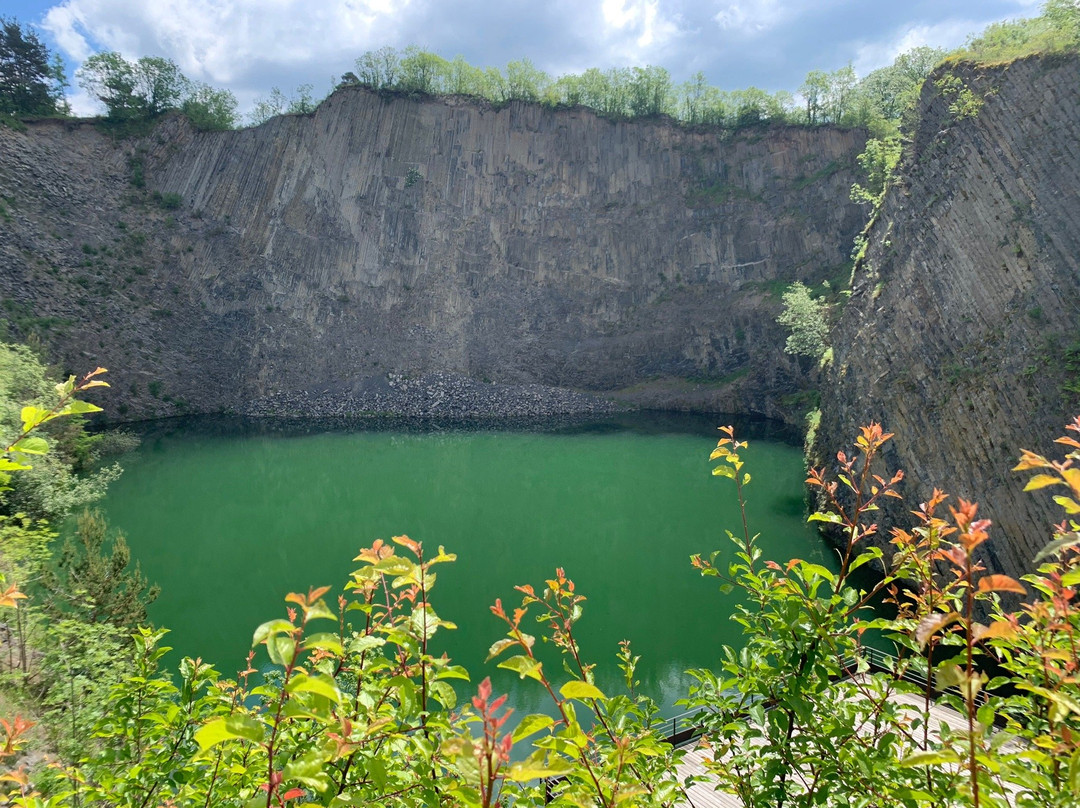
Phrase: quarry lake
[228,516]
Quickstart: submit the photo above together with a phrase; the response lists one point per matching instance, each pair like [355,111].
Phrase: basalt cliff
[442,256]
[438,246]
[962,335]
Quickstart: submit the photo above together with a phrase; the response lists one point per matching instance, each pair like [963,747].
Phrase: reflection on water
[229,515]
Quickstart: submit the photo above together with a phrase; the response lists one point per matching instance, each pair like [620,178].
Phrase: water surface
[229,516]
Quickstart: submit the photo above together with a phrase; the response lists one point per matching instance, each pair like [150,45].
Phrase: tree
[209,108]
[878,162]
[525,81]
[893,90]
[94,582]
[814,90]
[379,69]
[134,90]
[277,103]
[422,71]
[31,82]
[805,316]
[650,91]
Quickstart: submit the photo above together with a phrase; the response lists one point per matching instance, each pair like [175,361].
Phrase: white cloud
[228,43]
[947,34]
[757,16]
[636,30]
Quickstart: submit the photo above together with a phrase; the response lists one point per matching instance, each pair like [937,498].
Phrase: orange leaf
[1001,583]
[932,624]
[1000,629]
[1030,460]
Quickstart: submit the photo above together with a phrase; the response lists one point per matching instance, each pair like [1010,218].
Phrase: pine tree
[31,81]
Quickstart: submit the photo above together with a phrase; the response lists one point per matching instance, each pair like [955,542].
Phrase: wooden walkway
[706,795]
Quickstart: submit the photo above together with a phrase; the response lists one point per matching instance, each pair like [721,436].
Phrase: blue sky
[250,46]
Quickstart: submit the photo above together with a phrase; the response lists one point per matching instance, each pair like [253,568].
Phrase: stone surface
[955,335]
[314,255]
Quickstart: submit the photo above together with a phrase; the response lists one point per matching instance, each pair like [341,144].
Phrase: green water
[229,518]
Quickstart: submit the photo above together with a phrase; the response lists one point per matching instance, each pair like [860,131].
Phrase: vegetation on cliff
[141,90]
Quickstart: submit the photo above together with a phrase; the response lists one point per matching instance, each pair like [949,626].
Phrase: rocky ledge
[433,395]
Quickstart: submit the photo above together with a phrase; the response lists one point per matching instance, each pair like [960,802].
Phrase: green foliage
[830,97]
[277,103]
[93,582]
[878,163]
[135,93]
[805,714]
[806,317]
[43,449]
[31,81]
[210,109]
[169,201]
[356,710]
[133,90]
[1056,29]
[963,103]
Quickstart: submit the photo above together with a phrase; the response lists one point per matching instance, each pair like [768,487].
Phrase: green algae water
[228,517]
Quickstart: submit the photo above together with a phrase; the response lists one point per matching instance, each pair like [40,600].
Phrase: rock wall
[385,237]
[958,332]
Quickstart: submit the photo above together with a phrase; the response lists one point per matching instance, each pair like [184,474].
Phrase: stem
[969,692]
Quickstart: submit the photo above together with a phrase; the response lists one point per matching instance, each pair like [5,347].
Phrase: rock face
[965,315]
[314,255]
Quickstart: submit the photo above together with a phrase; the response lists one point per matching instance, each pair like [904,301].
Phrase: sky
[249,46]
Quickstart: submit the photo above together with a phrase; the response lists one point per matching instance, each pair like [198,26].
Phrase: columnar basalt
[965,312]
[315,254]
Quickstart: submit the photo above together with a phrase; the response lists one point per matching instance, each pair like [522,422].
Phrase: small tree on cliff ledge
[805,316]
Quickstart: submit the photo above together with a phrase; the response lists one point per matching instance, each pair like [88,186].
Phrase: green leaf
[498,647]
[444,692]
[31,445]
[33,416]
[816,570]
[724,471]
[1057,545]
[534,767]
[318,683]
[319,611]
[1064,703]
[325,641]
[308,768]
[395,565]
[580,690]
[523,666]
[453,672]
[366,642]
[79,408]
[826,516]
[531,724]
[281,648]
[269,628]
[240,726]
[1071,578]
[930,758]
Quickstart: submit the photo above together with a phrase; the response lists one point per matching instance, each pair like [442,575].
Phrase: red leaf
[1001,583]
